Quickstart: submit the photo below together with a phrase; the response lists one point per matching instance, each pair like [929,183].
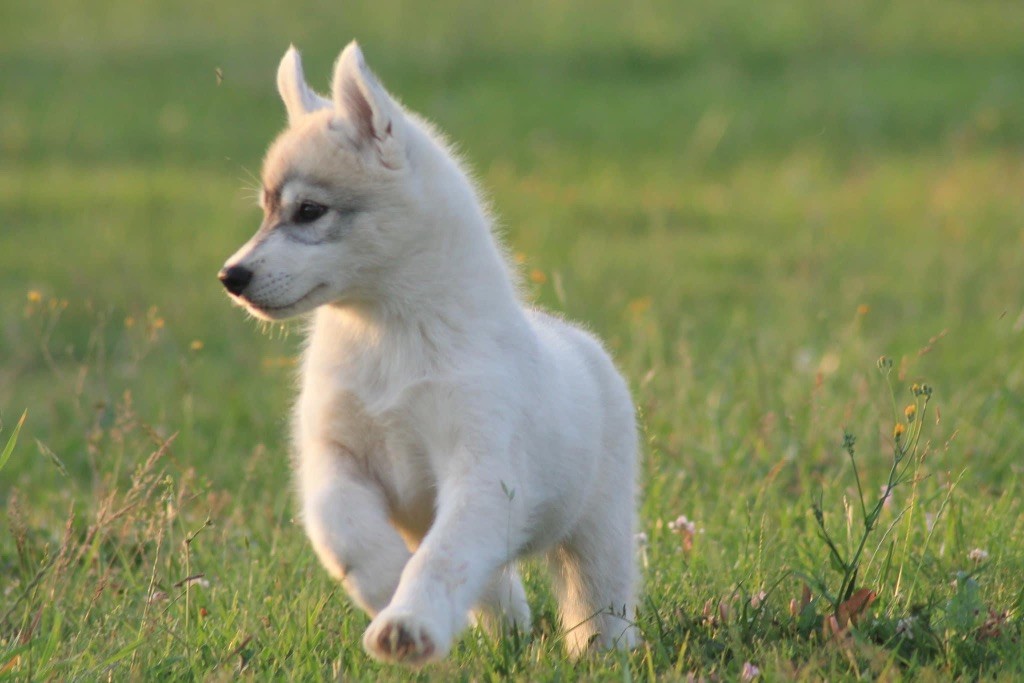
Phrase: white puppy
[444,429]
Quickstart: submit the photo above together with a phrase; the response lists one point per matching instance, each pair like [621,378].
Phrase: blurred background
[719,169]
[751,201]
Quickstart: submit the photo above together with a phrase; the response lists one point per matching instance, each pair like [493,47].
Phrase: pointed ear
[298,98]
[359,94]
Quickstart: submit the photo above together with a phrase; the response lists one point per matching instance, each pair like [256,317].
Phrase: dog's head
[332,197]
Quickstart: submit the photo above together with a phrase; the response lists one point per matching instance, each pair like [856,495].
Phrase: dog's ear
[299,98]
[366,104]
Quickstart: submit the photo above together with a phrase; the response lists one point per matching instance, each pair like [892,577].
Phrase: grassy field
[751,202]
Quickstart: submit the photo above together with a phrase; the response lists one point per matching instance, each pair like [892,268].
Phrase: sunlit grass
[750,204]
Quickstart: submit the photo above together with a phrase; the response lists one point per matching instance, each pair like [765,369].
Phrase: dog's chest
[409,481]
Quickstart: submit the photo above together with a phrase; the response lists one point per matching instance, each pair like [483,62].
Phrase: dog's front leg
[346,518]
[478,529]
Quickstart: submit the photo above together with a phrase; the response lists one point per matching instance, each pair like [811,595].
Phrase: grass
[750,202]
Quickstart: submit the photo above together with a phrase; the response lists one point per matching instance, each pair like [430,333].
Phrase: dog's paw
[403,638]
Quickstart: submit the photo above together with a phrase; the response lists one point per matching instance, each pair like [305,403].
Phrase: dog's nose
[235,278]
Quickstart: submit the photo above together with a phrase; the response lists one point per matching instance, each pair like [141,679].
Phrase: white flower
[682,524]
[977,555]
[905,628]
[750,672]
[641,540]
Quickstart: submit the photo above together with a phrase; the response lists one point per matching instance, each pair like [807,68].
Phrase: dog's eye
[309,212]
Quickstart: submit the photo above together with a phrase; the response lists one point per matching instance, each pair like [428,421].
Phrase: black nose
[235,278]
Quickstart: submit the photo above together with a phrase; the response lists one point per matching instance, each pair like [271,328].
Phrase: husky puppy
[444,429]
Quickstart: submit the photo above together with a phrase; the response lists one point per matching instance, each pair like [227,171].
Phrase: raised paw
[404,639]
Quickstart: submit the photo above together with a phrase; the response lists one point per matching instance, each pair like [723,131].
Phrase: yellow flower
[196,345]
[638,307]
[538,276]
[910,411]
[898,430]
[863,309]
[34,296]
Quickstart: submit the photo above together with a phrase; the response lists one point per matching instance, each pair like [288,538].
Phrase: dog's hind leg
[347,521]
[503,604]
[594,575]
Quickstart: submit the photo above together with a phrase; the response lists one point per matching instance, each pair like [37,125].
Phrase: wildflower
[196,345]
[915,389]
[538,277]
[977,555]
[682,524]
[129,322]
[905,628]
[641,547]
[157,596]
[898,430]
[910,411]
[686,530]
[757,600]
[749,672]
[34,296]
[638,307]
[863,309]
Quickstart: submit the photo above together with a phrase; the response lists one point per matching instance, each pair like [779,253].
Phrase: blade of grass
[9,448]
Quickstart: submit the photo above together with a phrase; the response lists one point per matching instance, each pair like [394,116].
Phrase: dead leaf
[851,610]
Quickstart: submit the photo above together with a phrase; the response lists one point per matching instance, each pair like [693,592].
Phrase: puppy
[444,428]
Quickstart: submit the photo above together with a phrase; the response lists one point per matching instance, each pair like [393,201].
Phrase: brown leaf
[830,628]
[851,610]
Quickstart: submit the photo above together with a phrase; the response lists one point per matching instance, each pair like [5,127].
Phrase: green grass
[751,202]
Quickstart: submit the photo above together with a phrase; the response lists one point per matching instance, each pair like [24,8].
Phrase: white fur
[444,430]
